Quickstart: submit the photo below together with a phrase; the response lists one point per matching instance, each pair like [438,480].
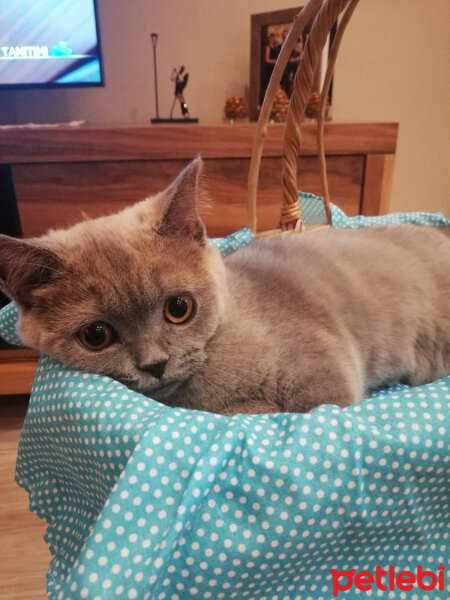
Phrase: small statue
[180,78]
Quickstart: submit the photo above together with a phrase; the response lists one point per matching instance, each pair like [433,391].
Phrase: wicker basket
[325,14]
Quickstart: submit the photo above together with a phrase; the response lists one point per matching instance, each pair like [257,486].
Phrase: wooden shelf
[159,142]
[17,370]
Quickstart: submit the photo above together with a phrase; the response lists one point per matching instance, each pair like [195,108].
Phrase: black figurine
[180,78]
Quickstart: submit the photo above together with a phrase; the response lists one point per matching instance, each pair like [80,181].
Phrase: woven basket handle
[326,14]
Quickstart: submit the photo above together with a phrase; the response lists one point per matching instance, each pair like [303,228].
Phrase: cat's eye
[97,336]
[178,309]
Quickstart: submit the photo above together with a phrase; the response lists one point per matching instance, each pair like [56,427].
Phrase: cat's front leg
[250,407]
[301,401]
[330,385]
[327,368]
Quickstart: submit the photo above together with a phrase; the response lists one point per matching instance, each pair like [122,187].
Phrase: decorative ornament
[312,108]
[280,106]
[180,78]
[236,107]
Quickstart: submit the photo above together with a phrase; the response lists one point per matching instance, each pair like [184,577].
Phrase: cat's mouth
[175,377]
[163,391]
[159,392]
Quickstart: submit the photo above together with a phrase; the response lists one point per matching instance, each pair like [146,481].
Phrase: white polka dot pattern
[340,219]
[149,502]
[313,211]
[8,322]
[232,242]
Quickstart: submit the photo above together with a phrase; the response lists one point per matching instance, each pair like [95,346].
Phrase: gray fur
[286,324]
[325,317]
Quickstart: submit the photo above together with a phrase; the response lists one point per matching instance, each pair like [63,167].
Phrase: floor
[24,556]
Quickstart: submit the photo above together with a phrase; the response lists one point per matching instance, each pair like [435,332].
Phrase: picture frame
[268,31]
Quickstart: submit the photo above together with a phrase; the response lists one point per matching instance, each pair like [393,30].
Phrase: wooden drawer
[59,194]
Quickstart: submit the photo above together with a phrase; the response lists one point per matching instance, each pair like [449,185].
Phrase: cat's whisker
[220,345]
[39,266]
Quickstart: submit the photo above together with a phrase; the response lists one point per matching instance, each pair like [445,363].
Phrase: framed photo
[268,32]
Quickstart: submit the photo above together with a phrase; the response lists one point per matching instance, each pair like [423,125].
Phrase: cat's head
[135,295]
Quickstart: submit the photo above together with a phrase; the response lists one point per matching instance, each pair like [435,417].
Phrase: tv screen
[49,43]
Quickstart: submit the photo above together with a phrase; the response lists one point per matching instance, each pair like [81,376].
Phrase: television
[49,43]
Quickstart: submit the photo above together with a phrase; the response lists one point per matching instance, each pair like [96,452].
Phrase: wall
[400,73]
[392,67]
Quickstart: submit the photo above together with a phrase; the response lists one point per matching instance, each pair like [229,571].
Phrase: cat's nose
[156,369]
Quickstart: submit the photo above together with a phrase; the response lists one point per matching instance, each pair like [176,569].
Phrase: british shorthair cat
[286,324]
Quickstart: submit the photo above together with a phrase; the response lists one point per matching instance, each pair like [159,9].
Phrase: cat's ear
[24,267]
[179,216]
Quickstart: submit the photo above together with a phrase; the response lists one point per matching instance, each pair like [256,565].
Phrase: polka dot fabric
[229,244]
[8,320]
[340,219]
[149,502]
[313,211]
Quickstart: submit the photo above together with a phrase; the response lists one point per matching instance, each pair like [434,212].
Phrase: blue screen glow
[49,43]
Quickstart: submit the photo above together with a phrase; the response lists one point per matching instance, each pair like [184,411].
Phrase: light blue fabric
[313,210]
[8,322]
[149,502]
[232,242]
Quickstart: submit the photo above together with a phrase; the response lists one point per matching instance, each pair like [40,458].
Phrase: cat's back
[361,246]
[370,261]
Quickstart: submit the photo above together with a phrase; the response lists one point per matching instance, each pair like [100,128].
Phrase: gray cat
[286,324]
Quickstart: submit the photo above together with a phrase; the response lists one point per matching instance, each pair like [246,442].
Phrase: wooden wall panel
[57,194]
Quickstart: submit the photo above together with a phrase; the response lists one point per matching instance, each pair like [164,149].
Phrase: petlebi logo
[387,580]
